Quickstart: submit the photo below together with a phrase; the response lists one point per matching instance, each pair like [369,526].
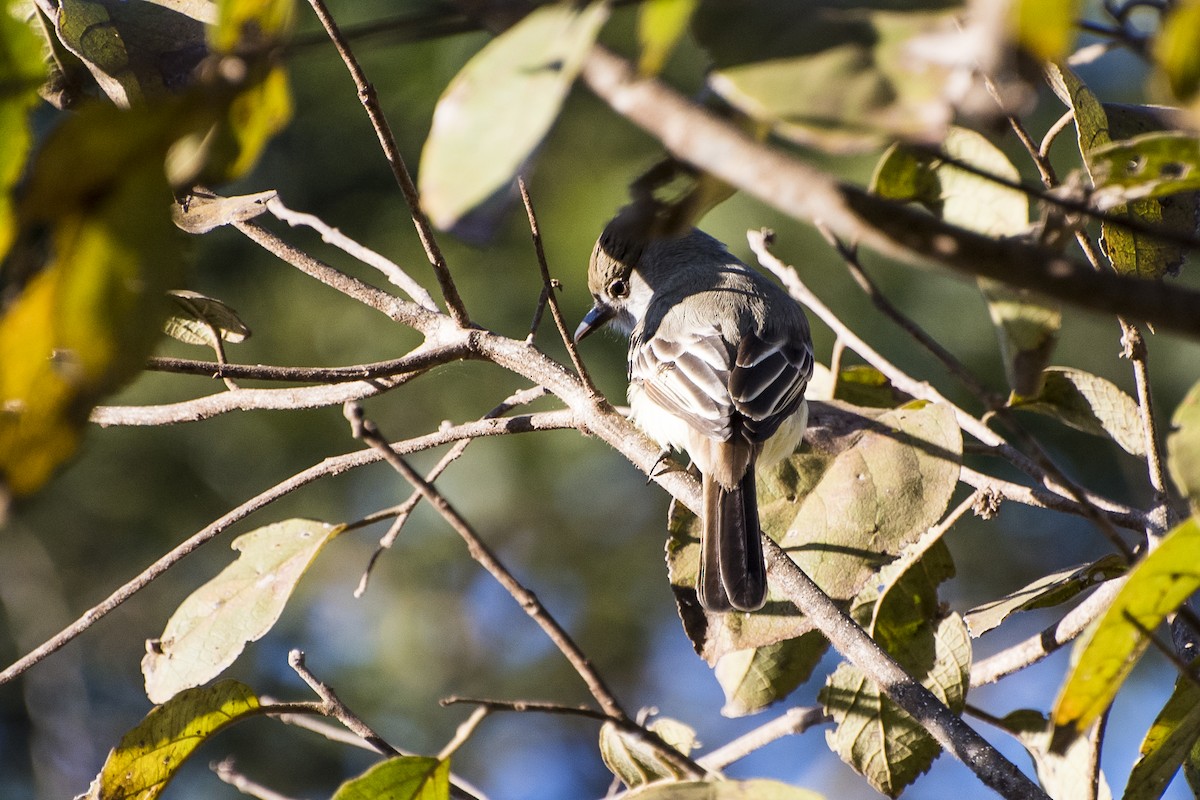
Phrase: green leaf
[863,486]
[85,324]
[21,72]
[661,24]
[1183,447]
[1046,28]
[722,790]
[204,320]
[1172,737]
[1047,591]
[1097,126]
[873,735]
[211,627]
[1153,164]
[147,758]
[501,105]
[861,385]
[400,778]
[248,24]
[1107,652]
[637,763]
[754,678]
[1177,49]
[1090,404]
[1066,775]
[831,79]
[1027,326]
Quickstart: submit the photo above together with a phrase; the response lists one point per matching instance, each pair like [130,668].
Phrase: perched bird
[719,358]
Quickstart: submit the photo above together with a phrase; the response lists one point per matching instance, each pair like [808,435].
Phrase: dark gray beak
[598,317]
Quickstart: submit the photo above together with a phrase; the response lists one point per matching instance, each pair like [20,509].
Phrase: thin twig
[463,732]
[526,706]
[337,709]
[1123,516]
[548,284]
[1052,133]
[334,465]
[366,255]
[794,721]
[227,772]
[420,358]
[405,509]
[366,430]
[370,102]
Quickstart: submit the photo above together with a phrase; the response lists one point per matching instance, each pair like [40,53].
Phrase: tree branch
[805,193]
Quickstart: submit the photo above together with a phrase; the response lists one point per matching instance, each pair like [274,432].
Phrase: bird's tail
[733,574]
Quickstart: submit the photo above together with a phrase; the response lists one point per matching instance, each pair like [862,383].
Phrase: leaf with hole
[212,626]
[500,106]
[1106,653]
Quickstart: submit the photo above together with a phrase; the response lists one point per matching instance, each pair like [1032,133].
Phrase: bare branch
[794,721]
[366,255]
[370,102]
[418,359]
[365,429]
[552,299]
[227,772]
[337,709]
[335,465]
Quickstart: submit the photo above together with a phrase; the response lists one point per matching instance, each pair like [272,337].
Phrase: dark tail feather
[732,571]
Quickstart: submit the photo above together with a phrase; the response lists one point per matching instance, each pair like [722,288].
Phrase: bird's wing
[768,379]
[687,376]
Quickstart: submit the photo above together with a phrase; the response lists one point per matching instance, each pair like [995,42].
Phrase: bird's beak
[598,317]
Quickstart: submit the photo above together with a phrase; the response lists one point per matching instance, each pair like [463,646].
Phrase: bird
[719,360]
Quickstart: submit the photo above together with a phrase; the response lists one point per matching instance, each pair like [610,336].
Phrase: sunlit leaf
[635,761]
[1046,28]
[1106,653]
[1177,48]
[864,484]
[1183,446]
[211,627]
[500,106]
[1171,738]
[1090,404]
[84,325]
[244,24]
[1048,590]
[861,385]
[1027,325]
[400,778]
[204,320]
[722,790]
[21,72]
[148,757]
[754,678]
[1066,775]
[661,24]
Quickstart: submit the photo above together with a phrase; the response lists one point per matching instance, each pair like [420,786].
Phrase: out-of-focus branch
[805,193]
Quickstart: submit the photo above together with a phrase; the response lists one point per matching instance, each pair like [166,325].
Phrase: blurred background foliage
[568,516]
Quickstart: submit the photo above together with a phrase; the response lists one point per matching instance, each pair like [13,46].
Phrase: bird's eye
[618,288]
